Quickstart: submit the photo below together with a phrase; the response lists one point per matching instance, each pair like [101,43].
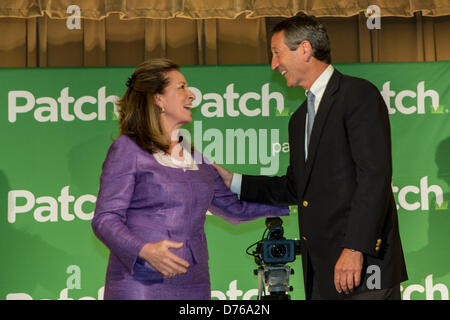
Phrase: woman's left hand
[162,260]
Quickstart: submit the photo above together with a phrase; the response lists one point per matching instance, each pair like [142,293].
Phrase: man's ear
[307,50]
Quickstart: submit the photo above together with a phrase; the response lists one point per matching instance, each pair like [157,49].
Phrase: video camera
[275,249]
[272,253]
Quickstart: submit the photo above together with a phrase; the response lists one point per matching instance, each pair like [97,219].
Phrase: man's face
[289,63]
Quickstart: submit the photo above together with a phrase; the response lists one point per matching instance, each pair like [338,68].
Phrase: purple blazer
[142,201]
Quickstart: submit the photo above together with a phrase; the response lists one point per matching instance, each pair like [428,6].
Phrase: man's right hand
[226,175]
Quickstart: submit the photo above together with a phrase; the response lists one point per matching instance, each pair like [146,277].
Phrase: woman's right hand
[162,260]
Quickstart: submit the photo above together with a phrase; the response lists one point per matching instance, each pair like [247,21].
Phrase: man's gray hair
[303,27]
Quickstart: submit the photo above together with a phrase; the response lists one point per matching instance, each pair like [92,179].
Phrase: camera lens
[278,250]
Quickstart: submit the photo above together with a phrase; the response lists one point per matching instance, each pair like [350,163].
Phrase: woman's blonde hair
[139,116]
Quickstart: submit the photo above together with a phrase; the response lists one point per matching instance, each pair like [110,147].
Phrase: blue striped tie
[311,113]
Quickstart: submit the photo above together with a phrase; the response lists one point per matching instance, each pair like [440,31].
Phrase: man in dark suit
[339,173]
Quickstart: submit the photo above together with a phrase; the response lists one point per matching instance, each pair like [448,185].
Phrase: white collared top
[318,89]
[187,163]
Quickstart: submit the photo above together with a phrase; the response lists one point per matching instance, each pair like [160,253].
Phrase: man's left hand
[347,272]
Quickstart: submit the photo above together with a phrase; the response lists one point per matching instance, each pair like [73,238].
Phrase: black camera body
[278,251]
[275,249]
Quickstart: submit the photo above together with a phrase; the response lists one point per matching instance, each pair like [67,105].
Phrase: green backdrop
[57,124]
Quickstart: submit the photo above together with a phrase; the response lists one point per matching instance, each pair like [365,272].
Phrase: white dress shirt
[317,88]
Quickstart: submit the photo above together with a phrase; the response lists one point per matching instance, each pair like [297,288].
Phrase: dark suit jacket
[343,191]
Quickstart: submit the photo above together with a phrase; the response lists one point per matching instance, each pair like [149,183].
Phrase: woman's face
[176,100]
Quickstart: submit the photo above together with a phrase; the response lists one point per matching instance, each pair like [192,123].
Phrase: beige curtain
[46,42]
[121,33]
[205,9]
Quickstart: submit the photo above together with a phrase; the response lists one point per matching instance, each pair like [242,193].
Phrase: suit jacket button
[304,238]
[377,248]
[305,203]
[378,242]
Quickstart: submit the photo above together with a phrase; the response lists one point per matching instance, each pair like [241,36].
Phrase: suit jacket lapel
[301,128]
[320,120]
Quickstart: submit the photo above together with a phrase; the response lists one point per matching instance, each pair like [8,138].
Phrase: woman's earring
[163,110]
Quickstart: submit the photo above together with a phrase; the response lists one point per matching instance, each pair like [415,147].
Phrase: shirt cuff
[236,183]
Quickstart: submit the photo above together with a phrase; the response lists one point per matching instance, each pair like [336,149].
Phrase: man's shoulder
[354,82]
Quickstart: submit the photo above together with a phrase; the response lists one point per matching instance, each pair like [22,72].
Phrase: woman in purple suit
[153,196]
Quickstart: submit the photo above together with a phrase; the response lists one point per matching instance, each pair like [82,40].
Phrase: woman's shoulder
[124,140]
[200,158]
[125,144]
